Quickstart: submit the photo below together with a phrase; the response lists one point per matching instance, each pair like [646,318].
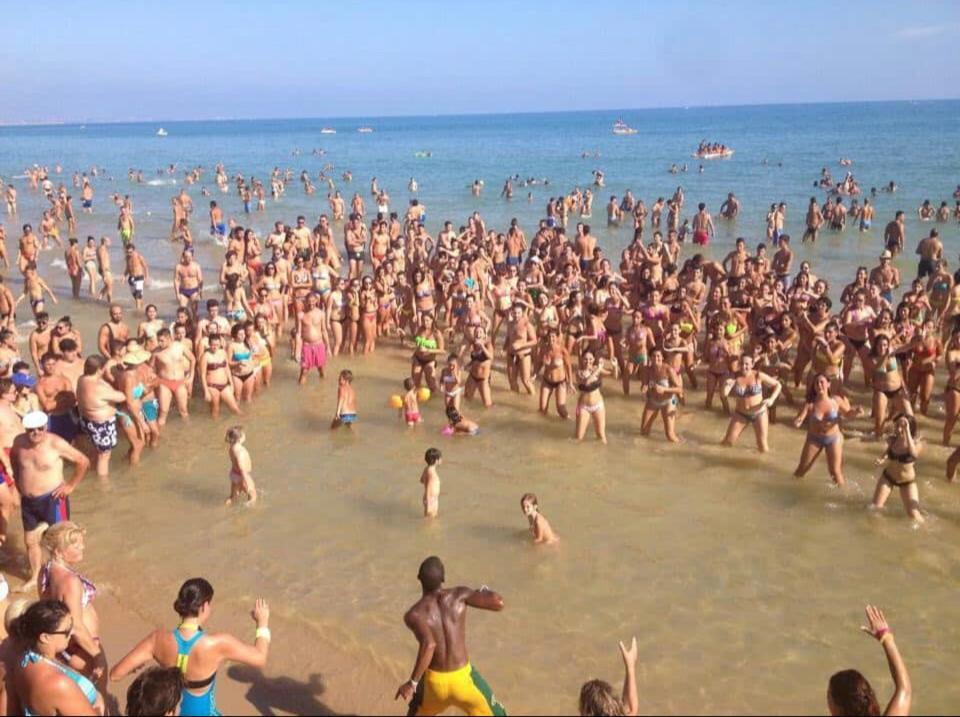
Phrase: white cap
[886,254]
[35,419]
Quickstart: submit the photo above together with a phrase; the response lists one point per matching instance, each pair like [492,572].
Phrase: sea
[744,587]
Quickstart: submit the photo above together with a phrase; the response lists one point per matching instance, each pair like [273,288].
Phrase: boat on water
[621,127]
[161,132]
[328,130]
[724,154]
[364,130]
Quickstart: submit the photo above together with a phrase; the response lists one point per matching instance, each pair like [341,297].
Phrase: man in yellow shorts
[442,676]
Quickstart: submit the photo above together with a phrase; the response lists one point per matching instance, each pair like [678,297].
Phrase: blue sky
[102,60]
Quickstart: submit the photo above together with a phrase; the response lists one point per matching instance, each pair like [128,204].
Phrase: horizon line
[68,123]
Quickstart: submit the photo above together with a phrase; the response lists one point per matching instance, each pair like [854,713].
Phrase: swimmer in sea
[430,479]
[346,412]
[241,467]
[539,525]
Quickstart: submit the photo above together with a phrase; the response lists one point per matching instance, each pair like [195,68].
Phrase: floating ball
[423,394]
[396,401]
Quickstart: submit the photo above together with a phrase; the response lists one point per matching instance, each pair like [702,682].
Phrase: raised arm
[903,693]
[230,648]
[630,699]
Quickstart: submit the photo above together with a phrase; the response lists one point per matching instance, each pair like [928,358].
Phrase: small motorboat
[725,154]
[161,132]
[365,130]
[621,127]
[328,130]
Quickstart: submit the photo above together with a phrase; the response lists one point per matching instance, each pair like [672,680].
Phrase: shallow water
[744,587]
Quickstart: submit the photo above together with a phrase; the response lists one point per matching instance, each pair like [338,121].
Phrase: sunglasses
[66,633]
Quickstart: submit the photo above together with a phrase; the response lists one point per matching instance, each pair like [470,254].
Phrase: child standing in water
[241,467]
[411,407]
[539,526]
[431,482]
[346,401]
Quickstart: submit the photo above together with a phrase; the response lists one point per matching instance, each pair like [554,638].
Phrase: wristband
[885,635]
[413,682]
[263,632]
[881,632]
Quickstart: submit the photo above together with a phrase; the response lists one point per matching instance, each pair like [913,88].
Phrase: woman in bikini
[423,293]
[450,382]
[235,304]
[480,367]
[352,313]
[59,580]
[215,377]
[556,376]
[752,408]
[262,345]
[428,345]
[857,320]
[243,368]
[336,313]
[899,469]
[639,342]
[951,394]
[664,390]
[827,358]
[369,303]
[273,284]
[590,407]
[149,327]
[889,392]
[717,357]
[823,412]
[926,354]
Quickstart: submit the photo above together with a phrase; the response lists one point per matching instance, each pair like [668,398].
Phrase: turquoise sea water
[916,144]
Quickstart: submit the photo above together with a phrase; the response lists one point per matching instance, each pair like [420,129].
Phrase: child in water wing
[539,525]
[241,467]
[430,479]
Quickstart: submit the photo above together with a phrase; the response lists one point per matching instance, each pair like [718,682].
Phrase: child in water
[241,467]
[411,407]
[431,482]
[459,425]
[346,414]
[539,526]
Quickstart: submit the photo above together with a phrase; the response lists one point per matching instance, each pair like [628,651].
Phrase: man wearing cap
[886,276]
[37,457]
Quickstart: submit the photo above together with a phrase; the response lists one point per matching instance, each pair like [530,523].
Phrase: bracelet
[413,682]
[263,632]
[881,632]
[885,635]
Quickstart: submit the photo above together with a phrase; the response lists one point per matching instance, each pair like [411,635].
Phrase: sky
[103,60]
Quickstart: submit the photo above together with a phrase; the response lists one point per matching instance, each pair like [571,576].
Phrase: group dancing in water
[564,323]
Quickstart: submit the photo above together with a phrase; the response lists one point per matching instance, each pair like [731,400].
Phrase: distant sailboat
[161,132]
[621,127]
[328,130]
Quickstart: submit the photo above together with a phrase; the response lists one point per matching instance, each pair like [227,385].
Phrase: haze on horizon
[111,61]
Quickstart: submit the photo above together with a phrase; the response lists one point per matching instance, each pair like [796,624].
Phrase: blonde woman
[60,580]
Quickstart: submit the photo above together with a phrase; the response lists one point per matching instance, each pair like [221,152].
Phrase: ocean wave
[162,182]
[58,264]
[160,284]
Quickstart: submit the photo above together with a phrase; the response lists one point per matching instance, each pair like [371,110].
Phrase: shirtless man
[586,245]
[29,248]
[103,265]
[112,331]
[40,338]
[519,344]
[730,207]
[37,458]
[814,221]
[57,398]
[10,195]
[86,196]
[70,364]
[893,234]
[930,250]
[96,401]
[312,335]
[7,303]
[10,428]
[886,276]
[188,283]
[355,240]
[516,244]
[172,364]
[442,676]
[702,226]
[136,272]
[782,261]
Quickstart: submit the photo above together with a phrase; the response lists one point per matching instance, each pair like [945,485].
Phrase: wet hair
[68,345]
[91,365]
[431,573]
[156,692]
[851,694]
[598,698]
[193,595]
[43,617]
[432,456]
[408,384]
[233,434]
[531,497]
[911,421]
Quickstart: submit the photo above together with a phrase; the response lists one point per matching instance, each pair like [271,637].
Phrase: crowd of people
[557,315]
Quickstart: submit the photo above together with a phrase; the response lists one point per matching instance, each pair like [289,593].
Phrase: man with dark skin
[442,676]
